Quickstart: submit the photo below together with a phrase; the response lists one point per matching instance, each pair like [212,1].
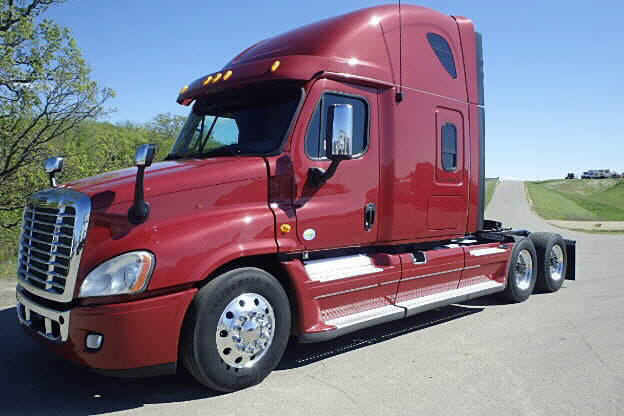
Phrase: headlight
[128,273]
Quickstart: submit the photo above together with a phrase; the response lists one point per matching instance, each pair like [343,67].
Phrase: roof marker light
[207,80]
[227,75]
[184,88]
[275,65]
[217,77]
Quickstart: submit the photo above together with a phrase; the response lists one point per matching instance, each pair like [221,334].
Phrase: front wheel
[236,330]
[522,272]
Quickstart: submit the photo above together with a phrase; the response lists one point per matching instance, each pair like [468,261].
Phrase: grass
[7,269]
[490,186]
[578,199]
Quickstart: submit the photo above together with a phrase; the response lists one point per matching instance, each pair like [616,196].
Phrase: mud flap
[571,252]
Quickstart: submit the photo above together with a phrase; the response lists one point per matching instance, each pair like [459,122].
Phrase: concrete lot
[556,354]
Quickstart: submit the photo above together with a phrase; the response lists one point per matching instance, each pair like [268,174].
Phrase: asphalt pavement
[556,354]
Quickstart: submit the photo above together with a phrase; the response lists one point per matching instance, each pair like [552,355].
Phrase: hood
[117,187]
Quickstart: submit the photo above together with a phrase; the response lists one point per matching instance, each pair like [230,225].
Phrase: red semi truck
[326,180]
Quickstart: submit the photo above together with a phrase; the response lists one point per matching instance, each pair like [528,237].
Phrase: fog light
[94,341]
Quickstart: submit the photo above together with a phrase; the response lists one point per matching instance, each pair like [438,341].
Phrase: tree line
[50,106]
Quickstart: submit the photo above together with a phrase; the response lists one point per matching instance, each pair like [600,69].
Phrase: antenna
[399,94]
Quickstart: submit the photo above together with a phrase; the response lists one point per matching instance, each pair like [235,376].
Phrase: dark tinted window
[315,143]
[443,51]
[449,147]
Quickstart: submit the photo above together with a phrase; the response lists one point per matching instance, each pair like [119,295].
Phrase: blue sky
[554,86]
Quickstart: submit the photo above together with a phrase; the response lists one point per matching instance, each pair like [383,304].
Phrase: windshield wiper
[225,150]
[171,156]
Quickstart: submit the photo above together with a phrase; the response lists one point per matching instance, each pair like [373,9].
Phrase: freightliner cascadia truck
[326,180]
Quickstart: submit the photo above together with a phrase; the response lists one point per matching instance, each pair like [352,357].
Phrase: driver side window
[315,136]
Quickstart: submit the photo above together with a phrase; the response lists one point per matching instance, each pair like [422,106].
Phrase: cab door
[342,211]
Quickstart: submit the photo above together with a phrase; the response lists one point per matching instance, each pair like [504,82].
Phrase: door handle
[369,216]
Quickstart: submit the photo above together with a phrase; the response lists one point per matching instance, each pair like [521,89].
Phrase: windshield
[246,121]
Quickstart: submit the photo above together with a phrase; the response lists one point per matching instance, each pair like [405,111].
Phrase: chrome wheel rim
[523,272]
[555,262]
[245,330]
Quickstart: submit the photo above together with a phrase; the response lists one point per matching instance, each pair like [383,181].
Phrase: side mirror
[339,139]
[143,158]
[338,142]
[144,155]
[52,166]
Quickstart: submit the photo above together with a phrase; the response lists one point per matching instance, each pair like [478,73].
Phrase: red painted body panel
[488,267]
[409,165]
[136,334]
[432,277]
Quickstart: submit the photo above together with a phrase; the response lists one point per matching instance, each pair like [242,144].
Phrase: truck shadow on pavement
[34,381]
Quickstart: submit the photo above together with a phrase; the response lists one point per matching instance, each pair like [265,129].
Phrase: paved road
[560,354]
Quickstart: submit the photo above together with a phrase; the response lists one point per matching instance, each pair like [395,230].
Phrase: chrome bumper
[49,323]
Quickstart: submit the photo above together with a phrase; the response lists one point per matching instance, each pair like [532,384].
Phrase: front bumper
[136,335]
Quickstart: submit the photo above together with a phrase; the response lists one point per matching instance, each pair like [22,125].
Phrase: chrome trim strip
[476,266]
[421,276]
[342,292]
[49,316]
[58,199]
[389,282]
[439,273]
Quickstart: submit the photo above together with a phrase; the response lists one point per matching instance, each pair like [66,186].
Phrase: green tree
[45,93]
[166,127]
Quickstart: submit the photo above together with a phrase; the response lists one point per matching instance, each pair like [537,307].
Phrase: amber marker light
[227,75]
[275,65]
[208,79]
[217,77]
[144,273]
[184,88]
[285,228]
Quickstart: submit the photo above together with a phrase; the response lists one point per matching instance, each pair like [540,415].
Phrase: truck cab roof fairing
[363,44]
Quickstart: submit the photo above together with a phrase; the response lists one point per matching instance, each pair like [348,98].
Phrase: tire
[552,261]
[236,330]
[522,272]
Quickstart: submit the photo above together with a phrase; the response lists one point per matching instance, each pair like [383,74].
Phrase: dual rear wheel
[537,262]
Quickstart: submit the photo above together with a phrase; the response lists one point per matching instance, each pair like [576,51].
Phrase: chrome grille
[53,234]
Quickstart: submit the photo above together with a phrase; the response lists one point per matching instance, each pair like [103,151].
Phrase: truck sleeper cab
[316,188]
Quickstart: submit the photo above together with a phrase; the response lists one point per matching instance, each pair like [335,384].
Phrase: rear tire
[236,330]
[522,272]
[552,261]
